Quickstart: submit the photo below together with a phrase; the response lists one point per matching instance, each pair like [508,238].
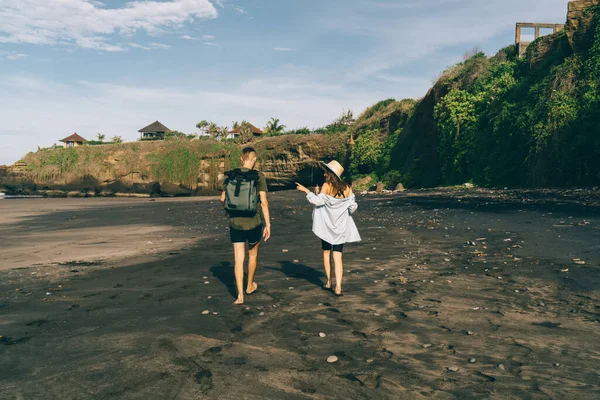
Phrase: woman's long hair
[338,187]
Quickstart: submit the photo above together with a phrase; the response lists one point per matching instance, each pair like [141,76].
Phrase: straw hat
[334,167]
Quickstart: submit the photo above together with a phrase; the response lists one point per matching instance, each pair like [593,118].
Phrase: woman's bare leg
[339,271]
[327,265]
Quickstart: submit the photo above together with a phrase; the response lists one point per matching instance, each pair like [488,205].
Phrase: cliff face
[581,24]
[174,167]
[510,121]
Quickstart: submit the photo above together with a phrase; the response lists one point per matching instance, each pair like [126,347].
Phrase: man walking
[245,199]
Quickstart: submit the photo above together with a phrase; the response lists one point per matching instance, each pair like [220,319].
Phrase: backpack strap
[238,186]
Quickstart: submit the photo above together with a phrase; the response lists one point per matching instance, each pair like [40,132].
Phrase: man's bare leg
[327,265]
[239,254]
[252,262]
[339,271]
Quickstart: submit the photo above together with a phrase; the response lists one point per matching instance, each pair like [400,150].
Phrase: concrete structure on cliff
[521,44]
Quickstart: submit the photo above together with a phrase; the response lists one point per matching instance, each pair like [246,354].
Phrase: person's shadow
[225,273]
[301,271]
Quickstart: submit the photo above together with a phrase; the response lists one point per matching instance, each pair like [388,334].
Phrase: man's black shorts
[334,247]
[252,236]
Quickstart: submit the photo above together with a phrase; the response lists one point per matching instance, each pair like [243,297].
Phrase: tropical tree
[235,124]
[101,137]
[246,133]
[273,127]
[117,139]
[214,130]
[223,132]
[347,118]
[202,124]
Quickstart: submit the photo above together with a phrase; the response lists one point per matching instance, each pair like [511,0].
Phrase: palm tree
[117,139]
[273,127]
[246,134]
[214,130]
[223,132]
[101,137]
[235,124]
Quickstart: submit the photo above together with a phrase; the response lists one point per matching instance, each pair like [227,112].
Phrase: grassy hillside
[178,166]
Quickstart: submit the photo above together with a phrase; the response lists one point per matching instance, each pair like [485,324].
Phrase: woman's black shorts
[334,247]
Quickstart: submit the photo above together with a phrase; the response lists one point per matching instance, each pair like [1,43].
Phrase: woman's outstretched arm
[317,200]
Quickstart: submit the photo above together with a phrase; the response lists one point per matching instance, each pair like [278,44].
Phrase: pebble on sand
[321,334]
[284,250]
[209,297]
[472,360]
[205,312]
[215,313]
[291,288]
[206,282]
[501,367]
[261,314]
[470,333]
[555,364]
[426,346]
[453,369]
[332,359]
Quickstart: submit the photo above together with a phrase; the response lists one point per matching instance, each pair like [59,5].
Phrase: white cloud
[203,37]
[14,57]
[208,37]
[240,10]
[151,46]
[89,25]
[283,49]
[211,43]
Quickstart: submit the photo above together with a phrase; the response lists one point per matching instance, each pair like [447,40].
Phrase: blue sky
[114,66]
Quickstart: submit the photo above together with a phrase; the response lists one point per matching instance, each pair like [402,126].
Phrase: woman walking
[332,220]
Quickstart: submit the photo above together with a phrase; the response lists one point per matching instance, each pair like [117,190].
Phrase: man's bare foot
[239,301]
[328,285]
[253,289]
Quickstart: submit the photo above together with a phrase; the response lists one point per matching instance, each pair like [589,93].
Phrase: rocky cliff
[173,167]
[510,121]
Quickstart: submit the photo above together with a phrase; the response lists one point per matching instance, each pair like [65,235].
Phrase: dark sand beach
[453,294]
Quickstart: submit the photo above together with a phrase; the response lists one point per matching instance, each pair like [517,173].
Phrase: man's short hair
[246,152]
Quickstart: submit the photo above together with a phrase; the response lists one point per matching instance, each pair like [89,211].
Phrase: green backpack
[241,193]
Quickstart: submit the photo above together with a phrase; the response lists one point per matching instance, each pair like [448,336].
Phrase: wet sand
[453,294]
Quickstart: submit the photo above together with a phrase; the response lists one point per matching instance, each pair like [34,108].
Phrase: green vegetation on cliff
[179,166]
[504,120]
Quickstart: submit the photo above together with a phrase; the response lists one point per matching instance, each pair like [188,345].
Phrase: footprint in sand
[204,380]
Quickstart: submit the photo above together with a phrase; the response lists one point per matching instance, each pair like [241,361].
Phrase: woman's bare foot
[328,285]
[253,289]
[338,291]
[239,301]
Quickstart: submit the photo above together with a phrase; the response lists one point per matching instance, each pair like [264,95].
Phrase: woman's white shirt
[332,218]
